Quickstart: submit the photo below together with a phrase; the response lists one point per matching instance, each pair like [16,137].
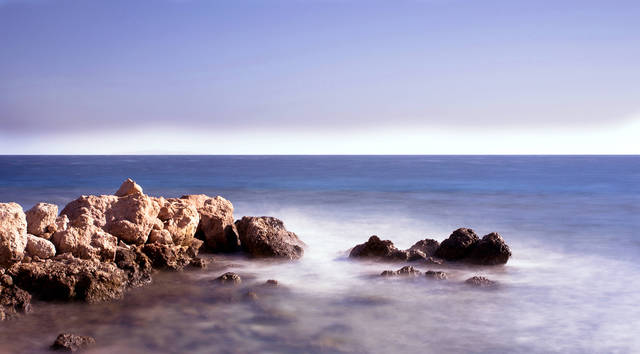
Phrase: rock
[388,273]
[168,257]
[86,241]
[267,236]
[408,271]
[129,218]
[271,283]
[13,300]
[427,246]
[71,342]
[491,250]
[160,236]
[433,260]
[61,224]
[458,246]
[128,187]
[39,247]
[481,282]
[180,219]
[68,278]
[378,249]
[13,233]
[229,278]
[438,275]
[135,264]
[198,262]
[216,222]
[40,217]
[415,255]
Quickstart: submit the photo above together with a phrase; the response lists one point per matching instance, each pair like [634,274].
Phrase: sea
[571,286]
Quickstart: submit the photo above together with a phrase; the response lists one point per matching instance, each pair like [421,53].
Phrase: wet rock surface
[13,300]
[481,282]
[459,245]
[267,237]
[375,248]
[490,250]
[72,342]
[437,275]
[229,278]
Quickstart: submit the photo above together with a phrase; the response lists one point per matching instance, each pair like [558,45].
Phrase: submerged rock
[481,282]
[229,278]
[40,217]
[13,233]
[491,250]
[378,249]
[68,278]
[459,245]
[438,275]
[404,271]
[267,236]
[216,222]
[39,247]
[71,342]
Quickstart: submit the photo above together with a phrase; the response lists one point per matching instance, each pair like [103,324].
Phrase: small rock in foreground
[71,342]
[229,278]
[438,275]
[481,282]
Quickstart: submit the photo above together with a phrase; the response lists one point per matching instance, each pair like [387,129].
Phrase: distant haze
[319,77]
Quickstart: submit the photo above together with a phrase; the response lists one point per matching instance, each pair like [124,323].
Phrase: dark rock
[271,282]
[416,255]
[438,275]
[433,260]
[388,273]
[67,278]
[168,257]
[458,246]
[491,250]
[13,300]
[267,237]
[198,263]
[427,246]
[408,270]
[481,282]
[378,249]
[229,278]
[71,342]
[135,263]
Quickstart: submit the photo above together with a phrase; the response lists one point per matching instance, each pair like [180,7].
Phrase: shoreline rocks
[13,233]
[266,236]
[71,342]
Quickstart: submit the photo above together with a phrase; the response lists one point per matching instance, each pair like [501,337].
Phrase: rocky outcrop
[490,250]
[216,222]
[267,236]
[459,245]
[375,248]
[39,247]
[128,187]
[437,275]
[85,240]
[229,278]
[41,218]
[481,282]
[180,219]
[404,271]
[136,265]
[71,342]
[68,278]
[13,233]
[168,257]
[13,300]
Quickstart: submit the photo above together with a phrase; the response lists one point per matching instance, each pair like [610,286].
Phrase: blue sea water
[571,286]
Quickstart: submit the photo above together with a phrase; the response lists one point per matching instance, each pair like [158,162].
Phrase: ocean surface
[572,285]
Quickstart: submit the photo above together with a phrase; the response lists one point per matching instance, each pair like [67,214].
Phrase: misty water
[571,286]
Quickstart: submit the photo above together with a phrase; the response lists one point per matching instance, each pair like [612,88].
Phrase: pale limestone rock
[216,222]
[128,187]
[40,217]
[180,219]
[39,247]
[86,241]
[13,233]
[160,236]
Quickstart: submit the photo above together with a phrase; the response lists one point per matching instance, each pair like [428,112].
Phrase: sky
[319,77]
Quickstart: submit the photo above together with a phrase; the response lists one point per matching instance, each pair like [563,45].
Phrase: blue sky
[333,76]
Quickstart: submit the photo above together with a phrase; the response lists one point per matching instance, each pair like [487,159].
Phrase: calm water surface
[571,221]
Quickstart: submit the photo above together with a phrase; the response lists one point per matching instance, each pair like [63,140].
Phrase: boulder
[229,278]
[427,246]
[13,233]
[458,246]
[13,300]
[481,282]
[388,273]
[135,264]
[437,275]
[40,217]
[180,219]
[39,247]
[404,271]
[71,342]
[168,257]
[130,218]
[267,236]
[68,278]
[160,236]
[375,248]
[128,187]
[490,250]
[216,222]
[85,240]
